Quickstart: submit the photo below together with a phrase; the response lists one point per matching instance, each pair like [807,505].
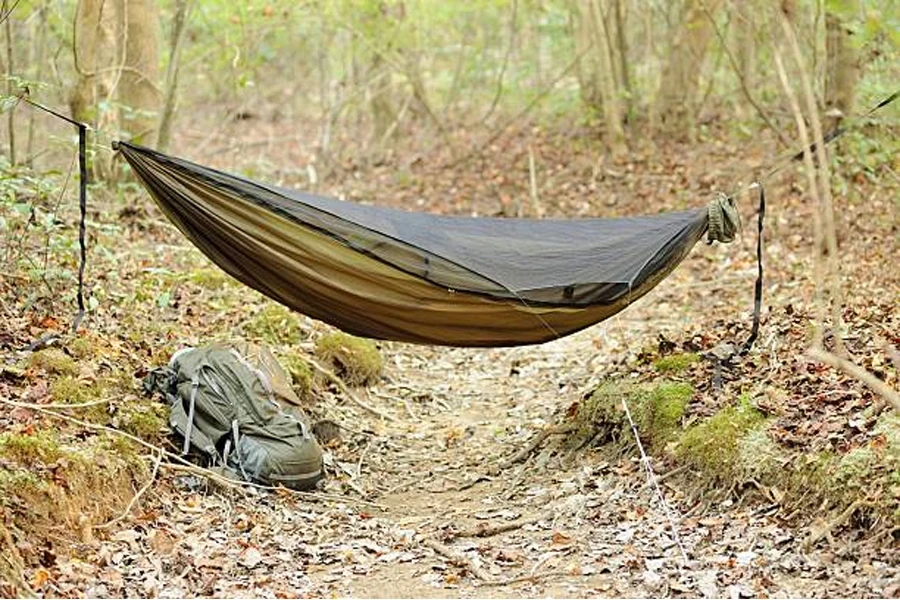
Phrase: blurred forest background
[356,80]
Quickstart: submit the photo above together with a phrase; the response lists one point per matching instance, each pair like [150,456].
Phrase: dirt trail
[593,527]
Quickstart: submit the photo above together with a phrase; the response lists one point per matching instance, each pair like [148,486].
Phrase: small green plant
[356,360]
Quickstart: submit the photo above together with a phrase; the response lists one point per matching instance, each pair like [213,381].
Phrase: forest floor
[425,500]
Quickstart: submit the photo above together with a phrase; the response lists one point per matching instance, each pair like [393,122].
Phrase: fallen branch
[857,372]
[529,578]
[456,558]
[346,391]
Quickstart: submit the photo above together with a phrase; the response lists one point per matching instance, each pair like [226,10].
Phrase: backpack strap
[195,383]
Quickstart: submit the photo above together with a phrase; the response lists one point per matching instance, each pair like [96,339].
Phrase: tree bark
[138,89]
[94,50]
[601,84]
[170,93]
[842,70]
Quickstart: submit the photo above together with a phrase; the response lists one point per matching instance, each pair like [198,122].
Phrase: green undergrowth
[276,325]
[733,450]
[355,360]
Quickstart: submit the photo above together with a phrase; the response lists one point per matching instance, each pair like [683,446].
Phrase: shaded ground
[582,522]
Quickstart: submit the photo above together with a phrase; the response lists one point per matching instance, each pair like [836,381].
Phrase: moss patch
[758,456]
[356,360]
[30,449]
[656,409]
[146,420]
[53,361]
[301,375]
[276,325]
[713,445]
[54,489]
[675,363]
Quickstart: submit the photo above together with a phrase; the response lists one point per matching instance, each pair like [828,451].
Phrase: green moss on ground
[146,420]
[675,363]
[209,278]
[657,411]
[275,325]
[713,445]
[355,360]
[301,375]
[53,361]
[32,449]
[758,456]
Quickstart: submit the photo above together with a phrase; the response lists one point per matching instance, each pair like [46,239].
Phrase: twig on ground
[66,405]
[456,558]
[485,530]
[667,475]
[362,458]
[528,578]
[346,391]
[136,497]
[406,406]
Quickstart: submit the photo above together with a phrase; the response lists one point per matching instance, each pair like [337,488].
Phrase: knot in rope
[724,220]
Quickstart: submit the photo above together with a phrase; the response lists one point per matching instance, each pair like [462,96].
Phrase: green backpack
[235,407]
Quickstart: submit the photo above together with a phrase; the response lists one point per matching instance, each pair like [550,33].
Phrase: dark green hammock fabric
[417,277]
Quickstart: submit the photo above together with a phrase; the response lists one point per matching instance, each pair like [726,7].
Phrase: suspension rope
[82,204]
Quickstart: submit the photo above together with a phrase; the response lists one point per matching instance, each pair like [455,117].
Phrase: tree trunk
[94,49]
[745,40]
[596,38]
[170,95]
[139,93]
[10,91]
[681,76]
[842,70]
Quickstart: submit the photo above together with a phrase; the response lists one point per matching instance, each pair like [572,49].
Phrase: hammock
[414,277]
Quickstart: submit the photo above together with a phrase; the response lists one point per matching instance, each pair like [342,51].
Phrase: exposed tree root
[456,558]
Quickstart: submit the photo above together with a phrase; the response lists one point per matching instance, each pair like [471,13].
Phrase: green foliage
[301,374]
[355,360]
